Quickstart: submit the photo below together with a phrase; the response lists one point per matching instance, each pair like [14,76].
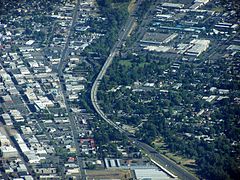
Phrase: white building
[9,152]
[197,47]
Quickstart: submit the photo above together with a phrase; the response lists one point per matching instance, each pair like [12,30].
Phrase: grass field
[126,63]
[189,164]
[218,9]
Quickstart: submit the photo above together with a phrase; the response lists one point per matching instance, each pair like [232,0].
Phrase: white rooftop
[151,174]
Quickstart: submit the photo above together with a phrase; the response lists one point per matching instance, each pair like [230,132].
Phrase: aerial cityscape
[119,89]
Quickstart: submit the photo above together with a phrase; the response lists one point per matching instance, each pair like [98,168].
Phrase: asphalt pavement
[60,69]
[151,152]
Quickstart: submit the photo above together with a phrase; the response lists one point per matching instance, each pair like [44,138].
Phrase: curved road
[151,152]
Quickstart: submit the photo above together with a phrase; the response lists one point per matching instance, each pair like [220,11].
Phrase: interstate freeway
[151,152]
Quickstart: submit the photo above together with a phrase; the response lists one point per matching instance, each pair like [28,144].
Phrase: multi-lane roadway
[151,152]
[174,168]
[60,69]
